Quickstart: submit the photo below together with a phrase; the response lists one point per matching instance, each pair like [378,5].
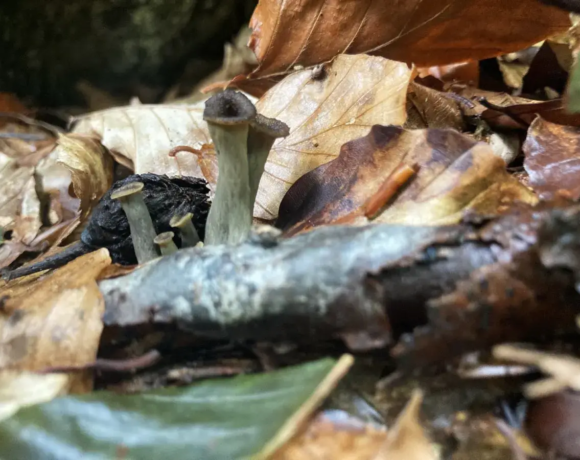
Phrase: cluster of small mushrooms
[242,139]
[142,216]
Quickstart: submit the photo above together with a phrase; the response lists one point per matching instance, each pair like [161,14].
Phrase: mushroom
[228,115]
[263,132]
[189,236]
[142,229]
[165,242]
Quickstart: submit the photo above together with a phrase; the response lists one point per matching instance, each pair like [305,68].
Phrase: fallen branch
[474,283]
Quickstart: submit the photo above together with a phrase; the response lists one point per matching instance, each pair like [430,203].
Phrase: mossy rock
[47,47]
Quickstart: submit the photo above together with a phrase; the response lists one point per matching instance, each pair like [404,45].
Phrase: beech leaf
[324,112]
[142,136]
[304,33]
[54,320]
[552,159]
[90,166]
[453,174]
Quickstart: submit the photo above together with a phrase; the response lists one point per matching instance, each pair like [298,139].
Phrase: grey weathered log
[312,286]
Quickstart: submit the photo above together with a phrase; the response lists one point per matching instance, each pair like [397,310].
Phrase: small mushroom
[142,228]
[189,236]
[263,133]
[228,115]
[165,242]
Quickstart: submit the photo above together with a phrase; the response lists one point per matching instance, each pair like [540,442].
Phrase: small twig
[184,148]
[112,365]
[461,99]
[508,433]
[504,110]
[392,185]
[189,374]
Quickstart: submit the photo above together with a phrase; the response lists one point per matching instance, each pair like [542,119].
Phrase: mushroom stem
[189,235]
[140,222]
[230,217]
[165,242]
[263,133]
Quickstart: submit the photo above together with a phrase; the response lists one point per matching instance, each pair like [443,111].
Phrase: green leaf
[573,95]
[244,417]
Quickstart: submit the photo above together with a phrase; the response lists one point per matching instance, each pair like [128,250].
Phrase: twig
[504,110]
[508,433]
[112,365]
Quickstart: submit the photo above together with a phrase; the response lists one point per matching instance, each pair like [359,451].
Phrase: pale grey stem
[261,137]
[228,115]
[189,235]
[165,242]
[142,229]
[230,216]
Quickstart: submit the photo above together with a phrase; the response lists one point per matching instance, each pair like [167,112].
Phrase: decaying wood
[476,284]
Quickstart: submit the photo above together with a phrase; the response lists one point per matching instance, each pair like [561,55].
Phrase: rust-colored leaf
[291,33]
[455,174]
[325,109]
[553,159]
[54,320]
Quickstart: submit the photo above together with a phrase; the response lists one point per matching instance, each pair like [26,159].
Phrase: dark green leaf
[574,89]
[217,419]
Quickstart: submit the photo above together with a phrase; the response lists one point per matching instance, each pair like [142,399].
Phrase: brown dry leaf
[291,33]
[53,320]
[455,174]
[553,159]
[429,108]
[515,112]
[90,166]
[325,439]
[15,183]
[141,137]
[325,109]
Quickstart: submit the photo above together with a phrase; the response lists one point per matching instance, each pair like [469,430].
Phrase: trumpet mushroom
[142,228]
[189,236]
[165,242]
[228,115]
[263,133]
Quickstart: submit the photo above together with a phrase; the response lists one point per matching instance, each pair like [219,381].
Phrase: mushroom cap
[229,108]
[164,238]
[179,220]
[127,190]
[270,126]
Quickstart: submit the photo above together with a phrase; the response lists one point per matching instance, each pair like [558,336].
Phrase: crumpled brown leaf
[553,159]
[90,166]
[454,174]
[53,320]
[326,440]
[292,33]
[142,136]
